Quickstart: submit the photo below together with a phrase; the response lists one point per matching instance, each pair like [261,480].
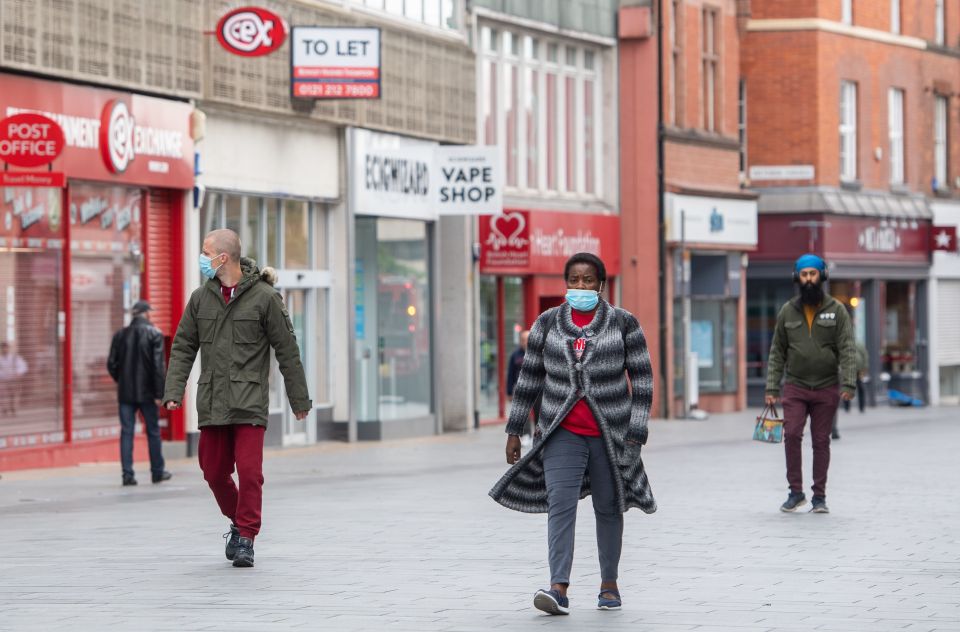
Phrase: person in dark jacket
[136,364]
[233,320]
[813,352]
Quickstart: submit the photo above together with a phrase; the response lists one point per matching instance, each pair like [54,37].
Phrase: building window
[676,61]
[438,13]
[895,120]
[940,143]
[940,23]
[848,130]
[895,16]
[531,113]
[511,104]
[489,78]
[711,62]
[742,125]
[846,11]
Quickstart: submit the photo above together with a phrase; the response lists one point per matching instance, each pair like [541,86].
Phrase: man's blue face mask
[206,266]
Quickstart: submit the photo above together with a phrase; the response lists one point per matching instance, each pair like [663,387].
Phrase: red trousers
[222,448]
[821,406]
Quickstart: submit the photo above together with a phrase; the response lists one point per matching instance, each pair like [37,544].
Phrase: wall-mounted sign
[943,238]
[470,179]
[30,140]
[711,220]
[335,62]
[782,172]
[251,31]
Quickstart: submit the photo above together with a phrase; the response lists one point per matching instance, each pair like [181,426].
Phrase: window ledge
[851,185]
[899,189]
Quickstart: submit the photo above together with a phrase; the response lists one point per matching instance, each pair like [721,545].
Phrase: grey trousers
[566,456]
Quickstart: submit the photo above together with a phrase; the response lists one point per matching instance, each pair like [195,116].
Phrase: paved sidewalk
[401,536]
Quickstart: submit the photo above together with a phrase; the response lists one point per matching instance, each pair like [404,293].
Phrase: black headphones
[824,274]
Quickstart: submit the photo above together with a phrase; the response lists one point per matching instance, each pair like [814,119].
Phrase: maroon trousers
[222,448]
[821,406]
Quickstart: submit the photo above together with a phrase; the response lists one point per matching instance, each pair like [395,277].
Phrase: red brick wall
[701,168]
[793,83]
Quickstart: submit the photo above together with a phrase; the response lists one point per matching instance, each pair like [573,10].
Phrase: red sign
[108,135]
[32,179]
[842,238]
[943,238]
[30,140]
[251,31]
[540,242]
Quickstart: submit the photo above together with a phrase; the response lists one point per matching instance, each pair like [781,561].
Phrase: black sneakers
[163,476]
[129,480]
[794,501]
[233,540]
[244,555]
[819,505]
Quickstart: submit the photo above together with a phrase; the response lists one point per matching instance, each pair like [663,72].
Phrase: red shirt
[227,292]
[580,420]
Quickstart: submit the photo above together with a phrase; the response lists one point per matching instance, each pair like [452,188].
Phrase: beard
[811,293]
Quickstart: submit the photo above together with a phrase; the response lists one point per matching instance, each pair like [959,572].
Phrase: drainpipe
[661,245]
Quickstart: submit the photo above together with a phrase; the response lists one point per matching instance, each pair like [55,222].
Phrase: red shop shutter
[161,260]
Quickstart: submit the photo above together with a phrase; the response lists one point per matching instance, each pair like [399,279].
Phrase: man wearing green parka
[813,352]
[233,320]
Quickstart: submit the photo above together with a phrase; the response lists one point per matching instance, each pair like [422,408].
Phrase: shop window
[31,379]
[272,232]
[899,327]
[296,234]
[105,227]
[765,297]
[713,337]
[393,320]
[489,356]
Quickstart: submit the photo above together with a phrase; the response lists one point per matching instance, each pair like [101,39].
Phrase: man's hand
[301,415]
[513,449]
[772,400]
[172,405]
[845,396]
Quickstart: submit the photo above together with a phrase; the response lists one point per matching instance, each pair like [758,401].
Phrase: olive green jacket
[813,357]
[234,341]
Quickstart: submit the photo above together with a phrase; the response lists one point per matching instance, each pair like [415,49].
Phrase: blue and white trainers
[551,602]
[604,603]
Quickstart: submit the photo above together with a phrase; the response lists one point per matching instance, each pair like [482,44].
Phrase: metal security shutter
[948,323]
[160,263]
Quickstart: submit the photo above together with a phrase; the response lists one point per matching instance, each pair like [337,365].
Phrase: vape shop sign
[335,62]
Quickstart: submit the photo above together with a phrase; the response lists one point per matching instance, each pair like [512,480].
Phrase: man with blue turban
[814,354]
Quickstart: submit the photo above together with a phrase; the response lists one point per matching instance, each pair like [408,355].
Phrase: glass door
[296,300]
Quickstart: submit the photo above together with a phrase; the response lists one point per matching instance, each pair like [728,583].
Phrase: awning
[856,203]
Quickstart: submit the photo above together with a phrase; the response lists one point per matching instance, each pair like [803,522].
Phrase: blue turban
[809,261]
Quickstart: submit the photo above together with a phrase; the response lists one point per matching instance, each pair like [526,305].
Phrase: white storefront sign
[711,220]
[782,172]
[396,176]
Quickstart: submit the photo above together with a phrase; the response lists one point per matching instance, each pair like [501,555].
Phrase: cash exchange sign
[335,63]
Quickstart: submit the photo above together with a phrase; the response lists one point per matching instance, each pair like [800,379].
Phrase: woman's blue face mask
[583,300]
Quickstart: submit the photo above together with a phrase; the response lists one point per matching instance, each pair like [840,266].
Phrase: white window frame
[895,17]
[895,99]
[416,11]
[846,11]
[710,68]
[848,131]
[941,111]
[940,23]
[543,66]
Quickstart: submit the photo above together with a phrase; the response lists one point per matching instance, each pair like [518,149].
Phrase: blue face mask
[583,300]
[206,267]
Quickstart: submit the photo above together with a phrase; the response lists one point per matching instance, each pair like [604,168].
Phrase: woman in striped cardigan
[589,362]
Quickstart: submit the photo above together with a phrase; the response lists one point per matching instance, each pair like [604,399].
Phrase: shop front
[944,305]
[709,241]
[878,267]
[277,185]
[394,299]
[522,256]
[74,258]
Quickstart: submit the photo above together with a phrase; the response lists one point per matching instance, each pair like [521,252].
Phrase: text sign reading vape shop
[30,140]
[335,63]
[470,179]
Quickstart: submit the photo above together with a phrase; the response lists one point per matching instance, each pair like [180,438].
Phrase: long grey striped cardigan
[615,347]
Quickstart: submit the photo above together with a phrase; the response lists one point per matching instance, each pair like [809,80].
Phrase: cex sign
[251,31]
[103,134]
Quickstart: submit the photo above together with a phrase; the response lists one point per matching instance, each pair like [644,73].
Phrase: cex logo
[251,31]
[116,136]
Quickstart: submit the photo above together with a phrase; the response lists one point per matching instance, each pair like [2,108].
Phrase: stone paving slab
[401,536]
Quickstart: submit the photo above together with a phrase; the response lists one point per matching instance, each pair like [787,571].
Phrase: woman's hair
[586,257]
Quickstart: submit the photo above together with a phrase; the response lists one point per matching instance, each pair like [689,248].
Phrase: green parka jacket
[234,341]
[813,357]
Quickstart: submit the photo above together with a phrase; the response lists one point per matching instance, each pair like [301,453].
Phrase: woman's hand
[513,449]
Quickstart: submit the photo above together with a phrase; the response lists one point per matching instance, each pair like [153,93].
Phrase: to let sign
[335,63]
[30,140]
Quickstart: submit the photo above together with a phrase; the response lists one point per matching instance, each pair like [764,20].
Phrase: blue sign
[716,221]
